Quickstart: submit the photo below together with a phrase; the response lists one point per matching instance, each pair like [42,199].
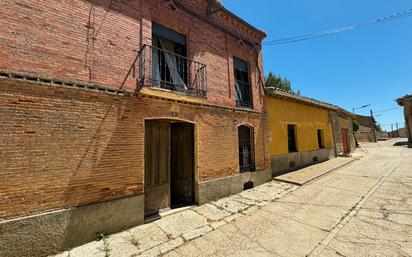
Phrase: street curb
[318,175]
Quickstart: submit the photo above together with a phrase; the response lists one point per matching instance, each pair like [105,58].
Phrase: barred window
[246,149]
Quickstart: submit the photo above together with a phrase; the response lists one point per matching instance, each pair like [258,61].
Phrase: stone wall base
[53,232]
[291,161]
[220,188]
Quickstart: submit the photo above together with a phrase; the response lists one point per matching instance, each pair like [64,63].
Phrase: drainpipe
[374,127]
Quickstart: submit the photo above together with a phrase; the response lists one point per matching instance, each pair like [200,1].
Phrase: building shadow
[401,143]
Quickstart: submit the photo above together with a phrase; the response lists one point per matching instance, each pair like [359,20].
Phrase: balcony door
[169,62]
[243,89]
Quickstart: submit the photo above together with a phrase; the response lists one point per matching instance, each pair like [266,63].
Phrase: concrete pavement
[307,174]
[178,227]
[363,209]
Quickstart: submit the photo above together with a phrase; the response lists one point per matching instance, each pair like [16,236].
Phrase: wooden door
[157,166]
[182,162]
[345,140]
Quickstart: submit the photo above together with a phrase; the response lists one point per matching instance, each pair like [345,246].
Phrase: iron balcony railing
[243,94]
[159,68]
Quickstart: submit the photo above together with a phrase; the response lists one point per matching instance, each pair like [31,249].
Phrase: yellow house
[300,130]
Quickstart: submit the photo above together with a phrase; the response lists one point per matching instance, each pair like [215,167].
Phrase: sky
[372,65]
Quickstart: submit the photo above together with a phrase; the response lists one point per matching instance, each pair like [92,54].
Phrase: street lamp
[353,109]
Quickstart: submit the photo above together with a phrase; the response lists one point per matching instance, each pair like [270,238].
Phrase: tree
[278,82]
[355,125]
[379,128]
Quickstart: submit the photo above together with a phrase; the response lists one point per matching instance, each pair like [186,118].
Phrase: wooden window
[292,139]
[246,149]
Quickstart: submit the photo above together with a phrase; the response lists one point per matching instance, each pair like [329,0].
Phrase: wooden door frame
[195,150]
[190,132]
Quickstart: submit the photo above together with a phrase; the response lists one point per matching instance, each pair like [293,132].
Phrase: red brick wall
[53,39]
[63,147]
[69,147]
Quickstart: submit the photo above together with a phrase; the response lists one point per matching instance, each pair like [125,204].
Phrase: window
[242,86]
[165,64]
[292,138]
[246,149]
[320,139]
[169,62]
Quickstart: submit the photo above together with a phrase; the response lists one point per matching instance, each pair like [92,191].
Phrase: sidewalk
[179,227]
[305,175]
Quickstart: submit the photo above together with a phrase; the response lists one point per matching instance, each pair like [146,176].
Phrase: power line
[395,16]
[400,124]
[391,109]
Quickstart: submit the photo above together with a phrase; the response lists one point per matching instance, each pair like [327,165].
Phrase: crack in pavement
[371,243]
[379,241]
[306,204]
[314,204]
[298,221]
[354,193]
[407,213]
[255,240]
[370,222]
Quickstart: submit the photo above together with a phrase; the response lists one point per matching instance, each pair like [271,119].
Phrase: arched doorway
[169,165]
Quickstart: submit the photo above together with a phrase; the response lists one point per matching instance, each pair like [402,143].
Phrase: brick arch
[171,118]
[245,124]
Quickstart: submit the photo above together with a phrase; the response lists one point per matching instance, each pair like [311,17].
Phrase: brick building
[112,110]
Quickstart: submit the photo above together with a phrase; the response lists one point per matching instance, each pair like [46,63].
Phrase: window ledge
[245,108]
[173,95]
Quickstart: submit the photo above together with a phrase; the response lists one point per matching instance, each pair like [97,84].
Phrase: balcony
[162,69]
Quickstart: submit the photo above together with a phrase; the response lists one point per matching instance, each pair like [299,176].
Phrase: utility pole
[374,127]
[364,106]
[397,130]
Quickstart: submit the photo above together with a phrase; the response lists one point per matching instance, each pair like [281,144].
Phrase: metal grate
[243,95]
[159,68]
